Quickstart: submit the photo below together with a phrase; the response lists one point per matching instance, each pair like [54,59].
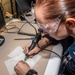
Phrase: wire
[49,51]
[23,33]
[14,29]
[35,29]
[25,18]
[53,52]
[21,27]
[11,29]
[8,27]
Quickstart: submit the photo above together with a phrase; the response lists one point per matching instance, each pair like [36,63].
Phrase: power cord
[35,30]
[49,51]
[5,29]
[23,33]
[11,29]
[25,18]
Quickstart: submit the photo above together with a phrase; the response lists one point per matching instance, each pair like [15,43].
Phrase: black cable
[10,28]
[25,18]
[23,33]
[48,50]
[35,29]
[13,27]
[53,52]
[21,27]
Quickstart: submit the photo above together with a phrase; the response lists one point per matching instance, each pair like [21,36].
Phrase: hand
[21,68]
[32,52]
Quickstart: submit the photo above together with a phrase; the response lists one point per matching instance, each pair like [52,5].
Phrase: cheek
[62,32]
[74,31]
[62,35]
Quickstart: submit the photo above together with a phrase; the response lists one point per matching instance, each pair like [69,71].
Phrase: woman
[57,19]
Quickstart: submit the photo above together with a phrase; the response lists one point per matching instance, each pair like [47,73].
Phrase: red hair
[53,8]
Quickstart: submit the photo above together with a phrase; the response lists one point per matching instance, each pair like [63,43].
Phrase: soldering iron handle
[35,41]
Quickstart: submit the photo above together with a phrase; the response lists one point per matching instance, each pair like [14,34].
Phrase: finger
[23,48]
[31,56]
[32,52]
[26,49]
[17,72]
[15,67]
[21,61]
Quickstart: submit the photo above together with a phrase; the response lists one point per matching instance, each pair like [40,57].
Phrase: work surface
[10,44]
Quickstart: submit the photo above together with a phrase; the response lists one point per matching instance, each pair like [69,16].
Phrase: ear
[70,23]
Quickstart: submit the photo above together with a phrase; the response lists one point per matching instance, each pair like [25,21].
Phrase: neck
[73,35]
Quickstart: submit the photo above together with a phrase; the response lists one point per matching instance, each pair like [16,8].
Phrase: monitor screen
[2,21]
[24,5]
[2,24]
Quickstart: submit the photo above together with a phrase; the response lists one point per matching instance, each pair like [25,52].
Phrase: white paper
[53,66]
[10,65]
[54,61]
[16,52]
[18,55]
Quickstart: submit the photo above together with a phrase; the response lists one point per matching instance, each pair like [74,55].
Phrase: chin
[63,37]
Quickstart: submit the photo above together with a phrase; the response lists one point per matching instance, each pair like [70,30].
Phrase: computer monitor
[22,6]
[2,24]
[2,21]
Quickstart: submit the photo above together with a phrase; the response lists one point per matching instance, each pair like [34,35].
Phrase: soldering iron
[35,41]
